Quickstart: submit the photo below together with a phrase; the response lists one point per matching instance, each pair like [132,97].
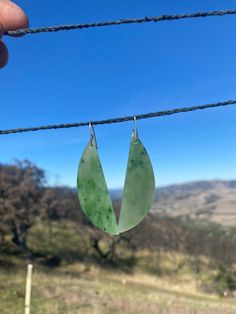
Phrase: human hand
[12,17]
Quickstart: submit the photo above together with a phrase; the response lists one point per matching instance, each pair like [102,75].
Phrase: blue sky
[108,72]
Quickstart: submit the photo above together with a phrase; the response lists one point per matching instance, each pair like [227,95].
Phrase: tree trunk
[20,241]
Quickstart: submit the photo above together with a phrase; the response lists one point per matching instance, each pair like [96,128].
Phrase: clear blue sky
[107,72]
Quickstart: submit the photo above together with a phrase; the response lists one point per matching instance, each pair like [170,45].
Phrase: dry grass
[159,283]
[79,289]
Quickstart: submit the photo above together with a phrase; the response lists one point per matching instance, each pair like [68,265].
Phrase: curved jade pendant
[139,187]
[93,193]
[138,191]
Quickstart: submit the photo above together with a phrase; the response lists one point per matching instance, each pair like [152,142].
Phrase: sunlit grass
[160,282]
[99,291]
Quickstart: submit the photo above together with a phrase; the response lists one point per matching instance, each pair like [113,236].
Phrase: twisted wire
[155,19]
[119,119]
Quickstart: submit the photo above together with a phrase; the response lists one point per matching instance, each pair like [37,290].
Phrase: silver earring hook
[92,136]
[135,132]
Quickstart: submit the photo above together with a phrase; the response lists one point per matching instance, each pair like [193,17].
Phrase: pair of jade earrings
[138,191]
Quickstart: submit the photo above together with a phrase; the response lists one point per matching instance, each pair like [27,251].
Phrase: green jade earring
[138,191]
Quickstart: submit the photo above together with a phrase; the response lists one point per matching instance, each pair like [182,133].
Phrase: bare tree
[21,188]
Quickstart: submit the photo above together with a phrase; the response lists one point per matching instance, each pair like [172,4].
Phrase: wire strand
[118,120]
[160,18]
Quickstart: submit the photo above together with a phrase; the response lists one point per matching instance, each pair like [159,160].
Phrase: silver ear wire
[92,136]
[135,132]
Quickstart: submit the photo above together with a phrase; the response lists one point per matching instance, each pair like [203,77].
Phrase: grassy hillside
[77,289]
[178,260]
[69,278]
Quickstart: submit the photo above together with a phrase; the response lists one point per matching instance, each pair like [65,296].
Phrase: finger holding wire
[12,17]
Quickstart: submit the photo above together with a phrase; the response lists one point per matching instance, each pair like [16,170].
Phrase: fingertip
[3,54]
[12,16]
[22,19]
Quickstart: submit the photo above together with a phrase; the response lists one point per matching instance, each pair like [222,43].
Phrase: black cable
[118,120]
[119,22]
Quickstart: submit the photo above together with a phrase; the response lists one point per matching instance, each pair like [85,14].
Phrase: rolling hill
[206,200]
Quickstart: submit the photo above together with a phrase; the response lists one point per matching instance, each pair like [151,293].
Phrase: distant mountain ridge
[207,200]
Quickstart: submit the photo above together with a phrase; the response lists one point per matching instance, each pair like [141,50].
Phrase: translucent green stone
[94,197]
[138,191]
[139,187]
